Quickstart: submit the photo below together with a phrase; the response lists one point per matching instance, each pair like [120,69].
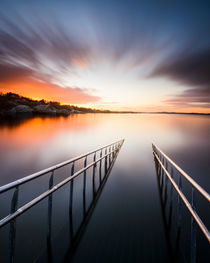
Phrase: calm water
[128,222]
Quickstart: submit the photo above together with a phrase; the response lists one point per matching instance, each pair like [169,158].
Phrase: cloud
[50,47]
[58,44]
[33,57]
[190,69]
[197,97]
[42,49]
[11,72]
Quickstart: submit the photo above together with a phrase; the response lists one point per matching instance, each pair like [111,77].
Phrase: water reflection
[40,142]
[13,122]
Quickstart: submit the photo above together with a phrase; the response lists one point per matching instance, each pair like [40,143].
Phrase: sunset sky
[118,55]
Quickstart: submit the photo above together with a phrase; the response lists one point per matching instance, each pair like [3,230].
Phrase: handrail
[183,197]
[47,170]
[87,214]
[36,200]
[189,179]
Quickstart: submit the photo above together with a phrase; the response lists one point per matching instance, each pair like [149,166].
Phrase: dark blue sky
[154,53]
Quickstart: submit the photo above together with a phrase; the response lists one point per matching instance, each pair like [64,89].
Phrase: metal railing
[76,230]
[107,153]
[109,150]
[162,165]
[172,227]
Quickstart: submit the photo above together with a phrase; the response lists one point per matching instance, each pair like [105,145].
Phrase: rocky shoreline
[38,110]
[12,105]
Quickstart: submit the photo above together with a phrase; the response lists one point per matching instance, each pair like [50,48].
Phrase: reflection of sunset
[41,142]
[38,130]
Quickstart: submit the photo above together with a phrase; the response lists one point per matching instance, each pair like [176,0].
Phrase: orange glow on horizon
[38,90]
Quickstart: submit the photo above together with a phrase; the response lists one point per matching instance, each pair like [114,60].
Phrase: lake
[128,222]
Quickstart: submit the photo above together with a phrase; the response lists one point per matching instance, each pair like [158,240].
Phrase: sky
[117,55]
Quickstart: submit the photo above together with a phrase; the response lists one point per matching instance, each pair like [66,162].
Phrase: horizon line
[110,111]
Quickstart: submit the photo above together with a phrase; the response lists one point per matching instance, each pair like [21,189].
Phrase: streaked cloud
[191,69]
[38,57]
[10,72]
[41,46]
[197,97]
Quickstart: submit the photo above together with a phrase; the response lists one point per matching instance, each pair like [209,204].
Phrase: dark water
[128,221]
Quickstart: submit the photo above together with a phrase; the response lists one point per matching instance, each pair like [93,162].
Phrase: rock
[13,103]
[45,109]
[20,109]
[50,110]
[63,112]
[76,111]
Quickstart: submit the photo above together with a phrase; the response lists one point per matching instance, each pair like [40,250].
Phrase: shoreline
[15,106]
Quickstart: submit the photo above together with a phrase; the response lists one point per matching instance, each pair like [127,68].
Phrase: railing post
[94,167]
[71,203]
[105,160]
[179,201]
[100,166]
[109,155]
[166,184]
[12,230]
[72,169]
[94,159]
[49,225]
[193,229]
[159,166]
[171,197]
[84,187]
[113,151]
[162,175]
